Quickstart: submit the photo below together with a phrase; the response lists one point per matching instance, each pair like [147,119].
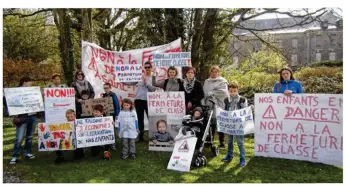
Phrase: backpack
[179,82]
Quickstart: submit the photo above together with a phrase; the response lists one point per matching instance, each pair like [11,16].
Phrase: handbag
[19,120]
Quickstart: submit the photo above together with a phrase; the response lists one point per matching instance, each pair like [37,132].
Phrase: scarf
[188,85]
[82,85]
[233,102]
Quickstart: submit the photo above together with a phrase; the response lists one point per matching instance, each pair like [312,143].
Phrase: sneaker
[107,155]
[227,158]
[124,156]
[132,156]
[13,161]
[29,156]
[59,160]
[113,147]
[242,163]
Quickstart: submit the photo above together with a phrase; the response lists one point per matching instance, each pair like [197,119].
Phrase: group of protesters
[216,90]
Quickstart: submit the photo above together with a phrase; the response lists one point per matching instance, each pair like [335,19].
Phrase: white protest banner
[177,59]
[128,72]
[23,100]
[182,155]
[95,131]
[56,102]
[238,122]
[167,106]
[53,137]
[98,65]
[301,127]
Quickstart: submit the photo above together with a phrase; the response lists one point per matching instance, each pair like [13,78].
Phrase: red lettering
[146,56]
[314,136]
[276,138]
[275,148]
[103,55]
[330,101]
[49,93]
[48,144]
[109,69]
[313,154]
[333,141]
[94,52]
[284,138]
[303,139]
[334,114]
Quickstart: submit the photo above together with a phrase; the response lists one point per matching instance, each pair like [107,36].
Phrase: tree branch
[28,15]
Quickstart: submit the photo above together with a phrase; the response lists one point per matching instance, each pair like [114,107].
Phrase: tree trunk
[196,39]
[174,24]
[65,44]
[208,42]
[86,24]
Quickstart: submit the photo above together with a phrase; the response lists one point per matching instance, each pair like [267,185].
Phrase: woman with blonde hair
[216,90]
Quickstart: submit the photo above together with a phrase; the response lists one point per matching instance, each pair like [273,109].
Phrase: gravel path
[10,177]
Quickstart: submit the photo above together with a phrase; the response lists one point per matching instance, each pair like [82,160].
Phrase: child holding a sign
[128,124]
[235,102]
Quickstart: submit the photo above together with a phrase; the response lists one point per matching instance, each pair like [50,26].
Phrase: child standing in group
[128,125]
[98,111]
[235,102]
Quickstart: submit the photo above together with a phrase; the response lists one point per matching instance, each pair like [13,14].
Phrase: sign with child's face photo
[166,111]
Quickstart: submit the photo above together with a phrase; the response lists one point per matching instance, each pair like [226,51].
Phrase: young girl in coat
[128,124]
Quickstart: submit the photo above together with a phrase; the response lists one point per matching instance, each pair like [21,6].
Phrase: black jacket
[196,95]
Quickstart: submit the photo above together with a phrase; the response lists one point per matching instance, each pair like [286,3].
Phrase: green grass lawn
[151,167]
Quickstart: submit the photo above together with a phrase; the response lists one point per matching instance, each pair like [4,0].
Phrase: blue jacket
[115,103]
[293,85]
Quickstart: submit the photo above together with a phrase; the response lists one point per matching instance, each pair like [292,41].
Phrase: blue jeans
[27,128]
[240,143]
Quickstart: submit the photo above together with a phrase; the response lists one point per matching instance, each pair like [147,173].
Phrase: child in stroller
[198,125]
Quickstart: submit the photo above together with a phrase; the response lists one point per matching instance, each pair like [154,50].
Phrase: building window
[318,56]
[294,43]
[294,59]
[332,56]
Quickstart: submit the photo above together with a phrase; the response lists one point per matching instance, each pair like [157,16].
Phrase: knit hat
[199,109]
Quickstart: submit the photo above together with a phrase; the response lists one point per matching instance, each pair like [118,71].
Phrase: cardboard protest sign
[56,102]
[23,100]
[87,105]
[301,127]
[128,73]
[182,155]
[59,136]
[167,106]
[177,59]
[95,131]
[238,122]
[98,65]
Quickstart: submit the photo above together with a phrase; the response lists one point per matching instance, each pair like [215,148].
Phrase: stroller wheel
[198,162]
[204,160]
[215,150]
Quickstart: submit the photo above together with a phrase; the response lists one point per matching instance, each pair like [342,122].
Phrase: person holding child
[235,102]
[128,128]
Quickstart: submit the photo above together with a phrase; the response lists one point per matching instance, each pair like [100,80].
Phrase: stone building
[301,44]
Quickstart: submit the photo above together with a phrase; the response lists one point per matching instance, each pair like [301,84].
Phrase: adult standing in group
[116,104]
[172,83]
[142,88]
[56,82]
[287,84]
[216,90]
[25,124]
[81,86]
[194,92]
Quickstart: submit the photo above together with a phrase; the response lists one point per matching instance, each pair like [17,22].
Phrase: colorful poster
[59,136]
[166,111]
[95,131]
[238,122]
[56,102]
[87,105]
[98,65]
[23,100]
[300,127]
[182,155]
[177,59]
[128,73]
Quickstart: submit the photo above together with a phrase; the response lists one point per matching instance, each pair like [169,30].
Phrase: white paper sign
[56,102]
[128,73]
[177,59]
[182,155]
[95,131]
[238,122]
[23,100]
[300,127]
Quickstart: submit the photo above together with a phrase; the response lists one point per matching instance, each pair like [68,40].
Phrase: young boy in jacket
[235,102]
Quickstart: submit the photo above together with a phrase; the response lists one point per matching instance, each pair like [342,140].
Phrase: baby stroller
[202,130]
